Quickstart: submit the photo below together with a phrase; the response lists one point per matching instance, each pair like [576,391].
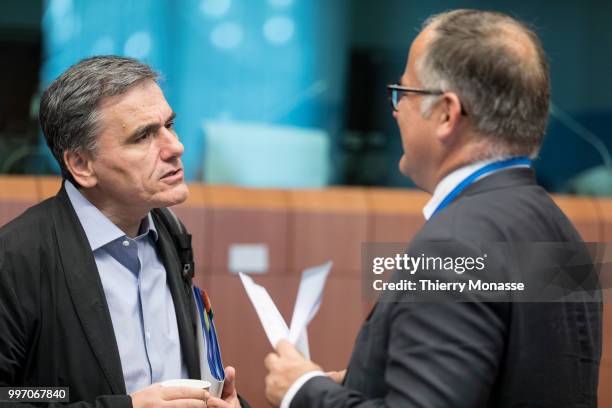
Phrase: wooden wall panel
[250,226]
[333,331]
[11,209]
[320,237]
[604,211]
[18,189]
[17,194]
[394,215]
[248,216]
[583,214]
[328,225]
[48,186]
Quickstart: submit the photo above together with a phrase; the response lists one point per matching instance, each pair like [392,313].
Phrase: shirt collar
[98,228]
[448,183]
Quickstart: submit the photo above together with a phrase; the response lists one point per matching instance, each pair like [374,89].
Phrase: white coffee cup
[180,382]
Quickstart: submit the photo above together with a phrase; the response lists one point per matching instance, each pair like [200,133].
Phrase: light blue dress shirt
[139,300]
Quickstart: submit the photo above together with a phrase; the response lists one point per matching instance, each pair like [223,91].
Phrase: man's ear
[80,165]
[448,115]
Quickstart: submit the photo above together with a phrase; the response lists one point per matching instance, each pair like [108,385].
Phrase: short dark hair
[69,114]
[498,68]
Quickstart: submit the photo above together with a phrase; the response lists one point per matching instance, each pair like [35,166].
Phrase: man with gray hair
[92,294]
[472,108]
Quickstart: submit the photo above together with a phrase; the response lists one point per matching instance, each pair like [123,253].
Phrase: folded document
[306,306]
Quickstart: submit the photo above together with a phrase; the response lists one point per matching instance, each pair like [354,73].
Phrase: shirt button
[148,335]
[126,243]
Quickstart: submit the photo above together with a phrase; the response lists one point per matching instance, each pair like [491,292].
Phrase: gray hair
[69,114]
[498,68]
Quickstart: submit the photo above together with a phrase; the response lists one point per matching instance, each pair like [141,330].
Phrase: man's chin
[408,170]
[404,167]
[174,196]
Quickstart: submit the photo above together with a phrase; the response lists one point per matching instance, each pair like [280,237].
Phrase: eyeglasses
[396,92]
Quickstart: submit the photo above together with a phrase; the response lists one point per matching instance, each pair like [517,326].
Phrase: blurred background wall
[291,93]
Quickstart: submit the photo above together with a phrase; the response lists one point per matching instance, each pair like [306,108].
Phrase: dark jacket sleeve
[16,307]
[439,355]
[436,354]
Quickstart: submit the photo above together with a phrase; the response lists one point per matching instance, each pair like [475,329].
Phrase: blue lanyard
[489,168]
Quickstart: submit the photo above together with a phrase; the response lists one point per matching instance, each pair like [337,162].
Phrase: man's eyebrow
[171,117]
[150,127]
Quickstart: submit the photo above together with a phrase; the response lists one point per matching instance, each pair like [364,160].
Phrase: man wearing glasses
[471,107]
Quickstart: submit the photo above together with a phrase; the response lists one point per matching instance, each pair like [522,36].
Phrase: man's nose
[171,146]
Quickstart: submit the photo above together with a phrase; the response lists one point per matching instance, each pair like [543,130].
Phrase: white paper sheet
[272,321]
[308,299]
[307,304]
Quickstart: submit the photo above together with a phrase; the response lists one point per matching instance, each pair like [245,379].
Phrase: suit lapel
[86,291]
[182,298]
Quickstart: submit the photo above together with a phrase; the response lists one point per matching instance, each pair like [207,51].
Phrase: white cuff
[295,387]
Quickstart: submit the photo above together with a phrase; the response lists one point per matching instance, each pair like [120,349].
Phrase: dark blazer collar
[509,178]
[86,290]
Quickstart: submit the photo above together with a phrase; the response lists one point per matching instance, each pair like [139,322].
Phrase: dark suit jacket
[55,326]
[476,354]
